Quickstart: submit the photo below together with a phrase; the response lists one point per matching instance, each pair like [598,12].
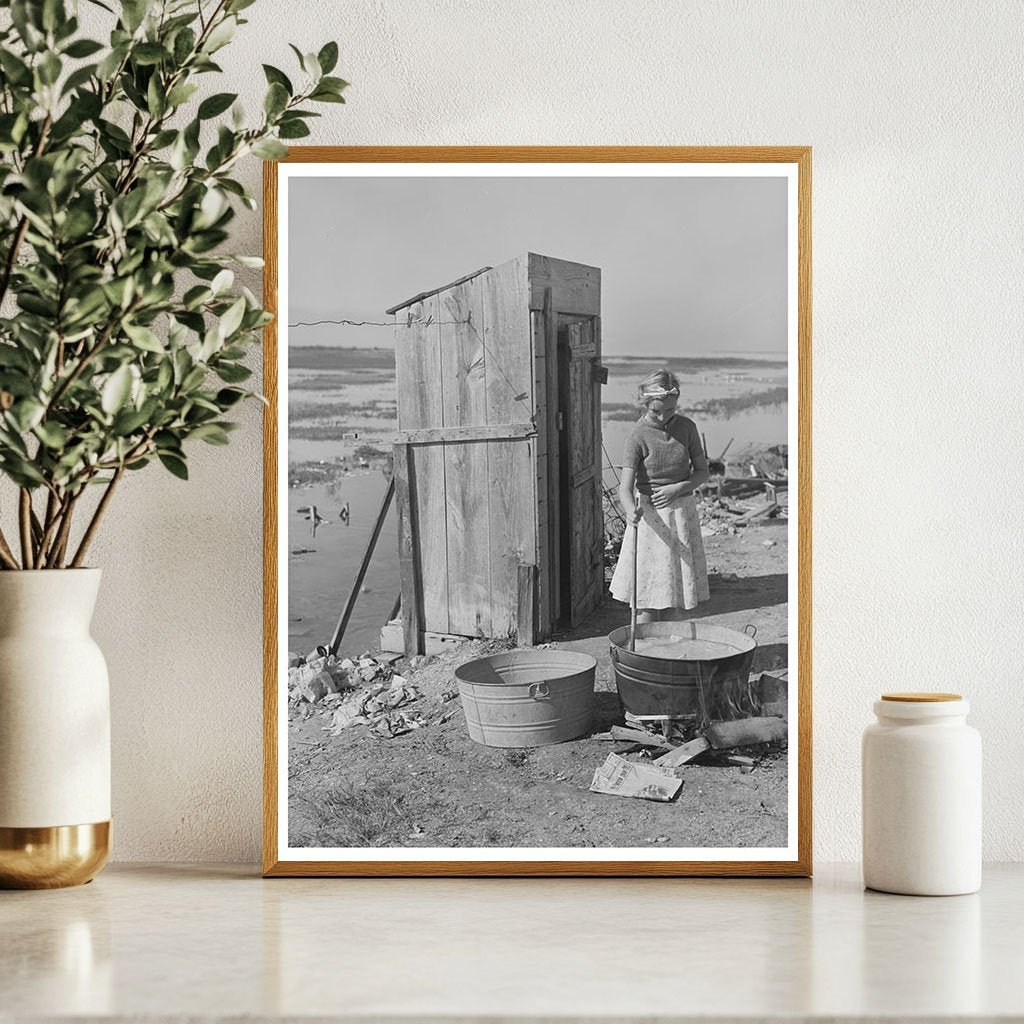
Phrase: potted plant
[122,343]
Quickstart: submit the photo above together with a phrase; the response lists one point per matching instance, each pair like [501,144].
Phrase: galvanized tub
[528,698]
[674,688]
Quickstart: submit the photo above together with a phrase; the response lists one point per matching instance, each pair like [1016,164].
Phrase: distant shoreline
[350,357]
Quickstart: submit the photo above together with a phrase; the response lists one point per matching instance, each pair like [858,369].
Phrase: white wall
[914,113]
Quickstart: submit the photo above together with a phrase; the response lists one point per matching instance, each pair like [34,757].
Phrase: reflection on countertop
[179,941]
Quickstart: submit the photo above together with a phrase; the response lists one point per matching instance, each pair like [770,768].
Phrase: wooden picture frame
[279,860]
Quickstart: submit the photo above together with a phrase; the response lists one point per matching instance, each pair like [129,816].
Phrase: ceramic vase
[54,731]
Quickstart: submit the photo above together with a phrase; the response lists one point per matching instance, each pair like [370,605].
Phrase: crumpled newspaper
[620,777]
[379,708]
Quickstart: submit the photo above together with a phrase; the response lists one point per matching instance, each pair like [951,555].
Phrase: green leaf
[175,464]
[78,78]
[53,435]
[222,281]
[25,414]
[276,99]
[156,99]
[324,96]
[181,94]
[232,319]
[334,84]
[255,262]
[49,68]
[128,421]
[184,44]
[116,390]
[214,105]
[133,12]
[293,130]
[269,149]
[16,70]
[228,397]
[221,35]
[232,373]
[83,48]
[211,433]
[144,338]
[149,53]
[274,75]
[328,57]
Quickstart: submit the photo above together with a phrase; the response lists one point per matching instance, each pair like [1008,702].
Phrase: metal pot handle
[539,690]
[750,629]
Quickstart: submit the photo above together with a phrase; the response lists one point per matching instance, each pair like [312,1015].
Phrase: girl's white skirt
[672,570]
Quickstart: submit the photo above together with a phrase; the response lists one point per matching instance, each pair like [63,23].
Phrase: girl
[665,459]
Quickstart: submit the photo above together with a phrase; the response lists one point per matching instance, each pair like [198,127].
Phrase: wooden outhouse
[498,457]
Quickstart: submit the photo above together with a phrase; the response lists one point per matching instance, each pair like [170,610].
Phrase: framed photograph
[538,511]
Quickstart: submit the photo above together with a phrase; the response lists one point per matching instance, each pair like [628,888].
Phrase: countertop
[177,941]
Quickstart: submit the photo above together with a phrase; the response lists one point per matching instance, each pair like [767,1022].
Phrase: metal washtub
[675,688]
[527,698]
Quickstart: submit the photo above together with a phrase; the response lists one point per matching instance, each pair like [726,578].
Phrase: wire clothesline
[426,321]
[429,321]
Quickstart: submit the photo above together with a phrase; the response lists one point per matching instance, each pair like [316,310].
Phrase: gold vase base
[53,857]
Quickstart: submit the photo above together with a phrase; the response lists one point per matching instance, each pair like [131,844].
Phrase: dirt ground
[436,787]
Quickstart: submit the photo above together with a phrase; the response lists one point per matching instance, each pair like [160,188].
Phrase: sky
[689,266]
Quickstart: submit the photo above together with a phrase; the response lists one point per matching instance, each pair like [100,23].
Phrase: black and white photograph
[536,477]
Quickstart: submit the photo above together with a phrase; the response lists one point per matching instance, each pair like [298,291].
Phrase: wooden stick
[633,602]
[647,739]
[435,291]
[687,752]
[346,614]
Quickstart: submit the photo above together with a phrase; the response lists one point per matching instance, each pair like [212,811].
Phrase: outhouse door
[580,432]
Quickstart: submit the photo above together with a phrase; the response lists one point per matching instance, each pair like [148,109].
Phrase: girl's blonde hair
[660,384]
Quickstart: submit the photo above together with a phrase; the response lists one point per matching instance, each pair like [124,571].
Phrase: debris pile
[668,745]
[361,691]
[379,707]
[312,679]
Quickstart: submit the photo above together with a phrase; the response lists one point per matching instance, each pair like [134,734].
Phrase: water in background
[319,582]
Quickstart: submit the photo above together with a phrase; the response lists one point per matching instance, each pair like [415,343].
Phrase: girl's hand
[663,496]
[634,516]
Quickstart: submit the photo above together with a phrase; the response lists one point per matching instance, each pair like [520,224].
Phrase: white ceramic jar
[921,779]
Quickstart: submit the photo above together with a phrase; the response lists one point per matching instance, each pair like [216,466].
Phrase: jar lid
[921,698]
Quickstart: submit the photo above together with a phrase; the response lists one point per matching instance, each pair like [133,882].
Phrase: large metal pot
[705,689]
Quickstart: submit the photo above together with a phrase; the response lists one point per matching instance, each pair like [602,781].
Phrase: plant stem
[6,554]
[94,523]
[84,360]
[22,229]
[60,543]
[25,523]
[51,523]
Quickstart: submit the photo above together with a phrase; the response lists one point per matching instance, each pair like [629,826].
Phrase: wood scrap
[683,754]
[756,513]
[647,739]
[741,760]
[745,732]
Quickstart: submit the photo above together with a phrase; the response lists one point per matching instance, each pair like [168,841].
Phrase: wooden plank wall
[474,501]
[599,466]
[464,402]
[540,415]
[575,287]
[509,375]
[418,369]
